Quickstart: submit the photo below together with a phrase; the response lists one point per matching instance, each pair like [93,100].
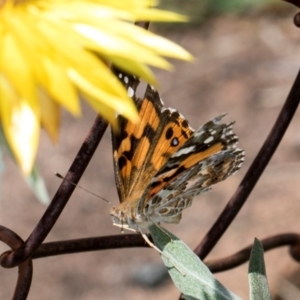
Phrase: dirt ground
[243,66]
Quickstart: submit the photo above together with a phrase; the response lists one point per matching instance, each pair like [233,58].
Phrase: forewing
[141,149]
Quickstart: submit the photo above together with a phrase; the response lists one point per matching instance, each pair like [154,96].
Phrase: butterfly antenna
[77,185]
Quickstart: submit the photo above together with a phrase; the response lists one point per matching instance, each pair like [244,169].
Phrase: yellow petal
[158,15]
[50,116]
[160,45]
[136,68]
[17,69]
[108,44]
[124,107]
[24,31]
[88,64]
[125,10]
[107,112]
[21,126]
[128,4]
[60,87]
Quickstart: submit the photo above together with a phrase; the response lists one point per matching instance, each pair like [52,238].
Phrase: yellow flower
[49,55]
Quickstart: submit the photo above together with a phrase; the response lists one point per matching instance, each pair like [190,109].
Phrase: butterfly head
[118,216]
[125,216]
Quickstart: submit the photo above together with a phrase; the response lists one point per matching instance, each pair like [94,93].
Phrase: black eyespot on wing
[201,147]
[149,132]
[133,145]
[119,137]
[167,168]
[184,134]
[178,171]
[174,117]
[185,124]
[155,184]
[122,161]
[169,133]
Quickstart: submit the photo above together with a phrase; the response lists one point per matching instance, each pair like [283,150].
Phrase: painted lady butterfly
[161,163]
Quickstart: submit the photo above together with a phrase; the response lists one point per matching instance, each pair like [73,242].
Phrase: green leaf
[37,184]
[188,272]
[34,179]
[259,289]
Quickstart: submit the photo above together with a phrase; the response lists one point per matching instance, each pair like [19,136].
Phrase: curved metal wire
[22,288]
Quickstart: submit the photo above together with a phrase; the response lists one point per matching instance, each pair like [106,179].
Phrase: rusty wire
[136,240]
[22,288]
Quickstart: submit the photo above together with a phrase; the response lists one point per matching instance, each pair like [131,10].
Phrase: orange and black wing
[141,149]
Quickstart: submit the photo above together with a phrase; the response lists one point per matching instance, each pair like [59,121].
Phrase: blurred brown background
[245,66]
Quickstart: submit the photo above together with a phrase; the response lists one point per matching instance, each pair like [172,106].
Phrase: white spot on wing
[130,92]
[183,151]
[126,80]
[175,142]
[172,109]
[208,140]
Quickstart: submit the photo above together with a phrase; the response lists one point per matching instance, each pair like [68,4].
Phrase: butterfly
[161,163]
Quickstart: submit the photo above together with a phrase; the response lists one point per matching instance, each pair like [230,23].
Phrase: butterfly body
[161,163]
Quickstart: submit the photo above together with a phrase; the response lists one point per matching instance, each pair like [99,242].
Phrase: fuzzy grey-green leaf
[188,272]
[259,289]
